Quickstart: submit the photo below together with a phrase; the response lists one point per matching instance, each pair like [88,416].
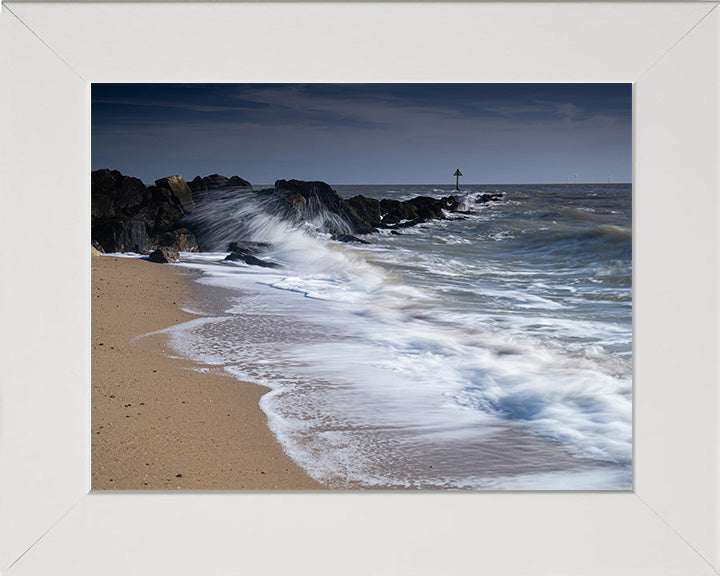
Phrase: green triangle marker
[457,178]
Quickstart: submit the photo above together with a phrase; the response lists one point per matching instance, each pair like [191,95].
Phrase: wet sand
[158,423]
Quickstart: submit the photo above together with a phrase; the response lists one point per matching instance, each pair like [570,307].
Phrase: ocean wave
[584,409]
[601,242]
[377,349]
[387,359]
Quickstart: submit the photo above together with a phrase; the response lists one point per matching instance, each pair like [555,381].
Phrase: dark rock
[394,211]
[117,200]
[197,185]
[127,215]
[248,247]
[348,238]
[451,203]
[300,201]
[208,182]
[213,181]
[409,223]
[180,192]
[115,235]
[236,181]
[168,212]
[164,255]
[489,197]
[427,208]
[181,240]
[113,195]
[367,211]
[251,260]
[96,245]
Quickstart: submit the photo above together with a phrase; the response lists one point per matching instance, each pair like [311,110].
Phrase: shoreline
[158,422]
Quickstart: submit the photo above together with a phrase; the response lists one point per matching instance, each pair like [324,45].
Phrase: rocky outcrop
[367,210]
[416,210]
[127,216]
[248,247]
[115,196]
[250,259]
[299,201]
[213,181]
[164,255]
[198,184]
[489,197]
[119,207]
[389,213]
[348,238]
[395,211]
[168,211]
[236,181]
[430,208]
[179,191]
[115,235]
[181,240]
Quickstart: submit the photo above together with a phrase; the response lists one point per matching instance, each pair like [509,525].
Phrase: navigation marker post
[457,179]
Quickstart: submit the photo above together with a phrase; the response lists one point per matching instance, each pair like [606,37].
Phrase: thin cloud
[381,110]
[177,105]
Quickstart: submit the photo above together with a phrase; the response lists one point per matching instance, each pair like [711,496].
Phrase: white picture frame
[50,523]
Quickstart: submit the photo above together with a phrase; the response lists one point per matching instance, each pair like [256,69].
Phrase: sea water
[490,350]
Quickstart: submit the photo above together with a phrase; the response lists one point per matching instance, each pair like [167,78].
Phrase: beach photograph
[361,287]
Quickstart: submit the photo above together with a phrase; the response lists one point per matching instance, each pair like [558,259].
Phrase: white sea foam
[598,479]
[377,363]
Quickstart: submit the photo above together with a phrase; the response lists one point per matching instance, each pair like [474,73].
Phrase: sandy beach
[158,423]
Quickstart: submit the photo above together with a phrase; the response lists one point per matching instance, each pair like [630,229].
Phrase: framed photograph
[413,326]
[51,54]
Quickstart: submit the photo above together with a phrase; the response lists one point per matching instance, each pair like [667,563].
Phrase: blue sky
[366,133]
